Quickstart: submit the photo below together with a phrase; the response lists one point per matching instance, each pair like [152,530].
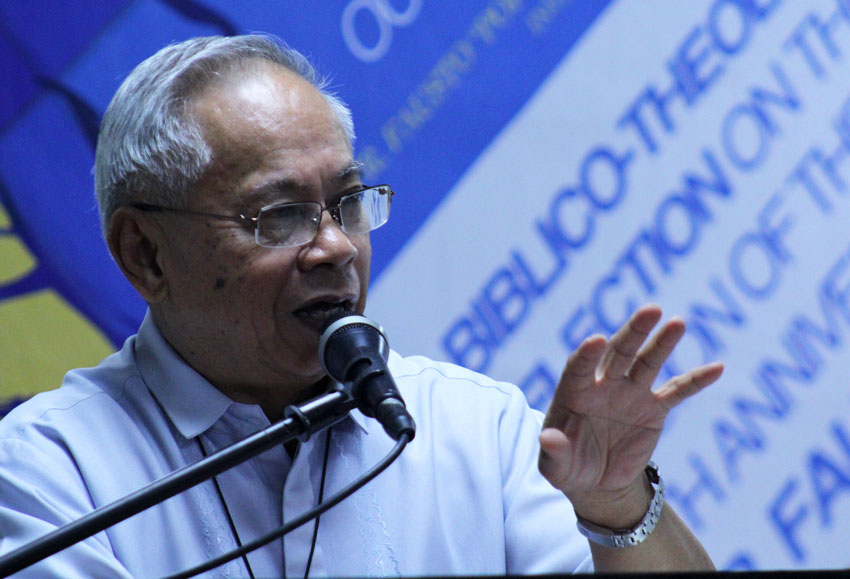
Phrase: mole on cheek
[219,283]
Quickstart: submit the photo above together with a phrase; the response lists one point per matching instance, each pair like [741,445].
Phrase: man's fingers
[688,384]
[651,358]
[623,345]
[555,455]
[579,373]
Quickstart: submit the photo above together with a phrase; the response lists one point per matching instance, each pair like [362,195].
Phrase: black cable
[161,489]
[230,520]
[344,493]
[319,502]
[305,419]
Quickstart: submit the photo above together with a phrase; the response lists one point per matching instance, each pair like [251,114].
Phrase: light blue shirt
[464,498]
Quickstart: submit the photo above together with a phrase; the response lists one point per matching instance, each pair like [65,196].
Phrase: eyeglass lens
[297,223]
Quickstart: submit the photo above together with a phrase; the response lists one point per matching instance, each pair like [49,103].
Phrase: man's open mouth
[322,310]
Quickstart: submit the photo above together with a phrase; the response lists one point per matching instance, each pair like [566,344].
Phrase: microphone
[353,350]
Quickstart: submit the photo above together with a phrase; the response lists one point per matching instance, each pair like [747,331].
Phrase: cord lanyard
[232,524]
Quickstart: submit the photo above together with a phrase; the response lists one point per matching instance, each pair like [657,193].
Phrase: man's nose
[331,244]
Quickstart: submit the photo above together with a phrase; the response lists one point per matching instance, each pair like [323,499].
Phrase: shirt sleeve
[40,491]
[540,524]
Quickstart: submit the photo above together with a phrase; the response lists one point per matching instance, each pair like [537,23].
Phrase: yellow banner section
[41,335]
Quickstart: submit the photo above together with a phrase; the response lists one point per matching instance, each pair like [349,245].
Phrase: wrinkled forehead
[260,100]
[270,125]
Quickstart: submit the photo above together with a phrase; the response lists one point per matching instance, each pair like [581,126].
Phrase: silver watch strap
[622,538]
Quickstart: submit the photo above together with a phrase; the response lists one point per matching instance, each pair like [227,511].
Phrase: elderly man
[231,200]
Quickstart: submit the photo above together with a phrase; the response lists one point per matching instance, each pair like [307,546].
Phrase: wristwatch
[623,538]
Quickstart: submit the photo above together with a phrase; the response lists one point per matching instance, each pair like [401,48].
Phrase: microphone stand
[300,421]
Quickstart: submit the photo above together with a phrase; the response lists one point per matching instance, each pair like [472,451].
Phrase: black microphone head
[336,316]
[344,335]
[353,351]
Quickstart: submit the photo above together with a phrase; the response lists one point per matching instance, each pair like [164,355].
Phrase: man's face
[245,316]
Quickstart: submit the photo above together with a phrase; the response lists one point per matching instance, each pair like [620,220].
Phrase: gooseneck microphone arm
[301,422]
[353,350]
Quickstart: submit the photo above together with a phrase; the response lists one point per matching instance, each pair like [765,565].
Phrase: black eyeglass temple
[147,206]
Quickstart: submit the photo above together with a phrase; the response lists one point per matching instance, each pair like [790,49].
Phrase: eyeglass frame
[333,210]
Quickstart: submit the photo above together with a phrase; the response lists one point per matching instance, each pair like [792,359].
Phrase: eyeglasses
[292,224]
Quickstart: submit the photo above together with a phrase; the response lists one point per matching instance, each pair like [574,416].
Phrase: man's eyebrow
[272,191]
[353,169]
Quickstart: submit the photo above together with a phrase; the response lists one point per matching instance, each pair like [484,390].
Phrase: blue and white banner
[557,163]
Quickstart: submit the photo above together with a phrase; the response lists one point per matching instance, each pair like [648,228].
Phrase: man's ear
[136,243]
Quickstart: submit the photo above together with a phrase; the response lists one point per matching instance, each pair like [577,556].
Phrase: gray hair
[149,147]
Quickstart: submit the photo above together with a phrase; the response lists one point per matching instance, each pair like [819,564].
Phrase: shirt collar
[189,400]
